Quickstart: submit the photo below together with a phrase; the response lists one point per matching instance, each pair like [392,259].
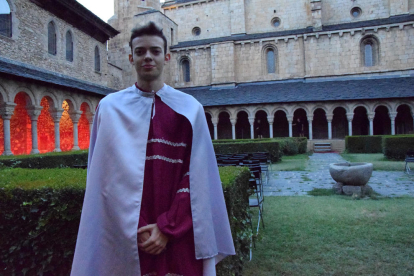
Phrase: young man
[154,203]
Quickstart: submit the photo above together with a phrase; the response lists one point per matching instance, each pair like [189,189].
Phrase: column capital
[310,119]
[214,121]
[75,116]
[251,120]
[392,115]
[89,116]
[270,119]
[34,112]
[350,116]
[289,118]
[6,110]
[329,117]
[56,114]
[371,116]
[233,121]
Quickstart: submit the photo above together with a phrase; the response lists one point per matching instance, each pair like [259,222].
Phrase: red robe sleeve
[177,221]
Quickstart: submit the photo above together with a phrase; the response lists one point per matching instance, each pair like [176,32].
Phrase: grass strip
[379,161]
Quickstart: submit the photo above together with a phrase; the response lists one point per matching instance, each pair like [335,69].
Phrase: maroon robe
[166,197]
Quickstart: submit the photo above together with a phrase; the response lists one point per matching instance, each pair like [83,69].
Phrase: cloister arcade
[44,121]
[321,120]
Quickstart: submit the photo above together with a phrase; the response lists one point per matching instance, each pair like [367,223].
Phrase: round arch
[243,124]
[340,127]
[224,127]
[27,91]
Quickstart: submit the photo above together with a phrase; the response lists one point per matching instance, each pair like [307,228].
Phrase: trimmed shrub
[364,144]
[396,147]
[39,222]
[46,161]
[270,146]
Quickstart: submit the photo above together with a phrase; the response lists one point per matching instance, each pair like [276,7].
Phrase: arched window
[369,51]
[5,19]
[270,61]
[185,64]
[97,60]
[69,46]
[51,35]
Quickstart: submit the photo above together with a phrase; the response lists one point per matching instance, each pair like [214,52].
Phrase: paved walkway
[316,175]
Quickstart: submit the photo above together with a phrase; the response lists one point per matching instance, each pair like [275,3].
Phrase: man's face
[148,57]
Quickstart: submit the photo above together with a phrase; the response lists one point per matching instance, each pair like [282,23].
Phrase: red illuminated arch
[20,126]
[83,127]
[66,127]
[46,127]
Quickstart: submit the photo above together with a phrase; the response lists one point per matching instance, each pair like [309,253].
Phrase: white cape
[107,237]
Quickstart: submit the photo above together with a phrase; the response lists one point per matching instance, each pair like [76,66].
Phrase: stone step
[322,147]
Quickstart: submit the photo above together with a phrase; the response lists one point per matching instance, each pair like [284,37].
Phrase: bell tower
[129,8]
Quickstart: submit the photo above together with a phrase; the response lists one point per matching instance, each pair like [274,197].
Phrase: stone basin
[351,174]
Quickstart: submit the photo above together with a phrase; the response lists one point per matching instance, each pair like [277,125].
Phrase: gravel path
[316,175]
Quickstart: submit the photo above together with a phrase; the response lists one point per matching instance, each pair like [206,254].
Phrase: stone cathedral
[340,67]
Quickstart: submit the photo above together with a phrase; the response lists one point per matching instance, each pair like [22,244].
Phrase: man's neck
[150,86]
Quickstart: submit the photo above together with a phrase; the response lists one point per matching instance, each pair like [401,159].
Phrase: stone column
[56,115]
[329,118]
[371,117]
[233,128]
[310,119]
[290,120]
[270,120]
[34,112]
[215,123]
[75,116]
[251,122]
[350,117]
[393,115]
[89,117]
[6,112]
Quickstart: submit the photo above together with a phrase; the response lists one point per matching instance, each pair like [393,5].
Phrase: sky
[102,8]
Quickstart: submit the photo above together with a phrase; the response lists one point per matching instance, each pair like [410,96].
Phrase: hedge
[288,145]
[396,147]
[363,144]
[270,146]
[43,161]
[39,224]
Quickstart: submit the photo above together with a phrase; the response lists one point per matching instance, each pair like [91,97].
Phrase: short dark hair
[148,29]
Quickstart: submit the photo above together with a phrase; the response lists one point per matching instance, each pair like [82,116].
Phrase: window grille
[270,57]
[186,70]
[69,46]
[51,38]
[97,60]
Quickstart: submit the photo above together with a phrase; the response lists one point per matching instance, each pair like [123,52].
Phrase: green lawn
[377,159]
[291,163]
[334,235]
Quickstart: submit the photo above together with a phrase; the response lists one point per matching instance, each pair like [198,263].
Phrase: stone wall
[29,44]
[334,11]
[292,14]
[212,17]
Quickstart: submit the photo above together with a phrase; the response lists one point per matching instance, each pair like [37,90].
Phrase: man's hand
[156,242]
[143,237]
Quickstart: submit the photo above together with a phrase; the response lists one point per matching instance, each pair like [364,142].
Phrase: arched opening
[280,125]
[185,66]
[46,127]
[224,126]
[300,123]
[319,124]
[242,126]
[83,127]
[66,127]
[21,126]
[69,46]
[360,122]
[97,60]
[370,51]
[5,19]
[210,125]
[404,120]
[339,123]
[382,121]
[51,35]
[261,125]
[270,61]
